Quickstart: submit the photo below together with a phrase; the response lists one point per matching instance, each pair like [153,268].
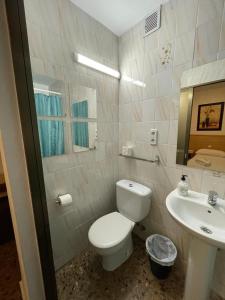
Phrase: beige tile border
[207,73]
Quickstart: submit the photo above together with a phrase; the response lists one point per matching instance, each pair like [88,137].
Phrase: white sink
[194,213]
[207,227]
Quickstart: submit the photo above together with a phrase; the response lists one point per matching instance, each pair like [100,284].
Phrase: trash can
[162,254]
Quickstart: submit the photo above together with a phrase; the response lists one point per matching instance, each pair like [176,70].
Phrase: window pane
[48,105]
[51,136]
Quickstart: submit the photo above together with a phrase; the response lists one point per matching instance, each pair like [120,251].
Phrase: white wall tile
[56,29]
[207,42]
[192,28]
[184,48]
[208,10]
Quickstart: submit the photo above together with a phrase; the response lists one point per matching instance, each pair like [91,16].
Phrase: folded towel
[203,161]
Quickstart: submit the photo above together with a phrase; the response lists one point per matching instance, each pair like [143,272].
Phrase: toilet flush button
[130,185]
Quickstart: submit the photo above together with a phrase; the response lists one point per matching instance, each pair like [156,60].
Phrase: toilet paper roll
[125,150]
[129,150]
[65,199]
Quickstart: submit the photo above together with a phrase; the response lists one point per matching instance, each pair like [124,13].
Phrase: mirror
[84,116]
[58,111]
[84,136]
[201,133]
[49,96]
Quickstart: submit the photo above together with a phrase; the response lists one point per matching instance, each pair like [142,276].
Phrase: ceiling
[118,15]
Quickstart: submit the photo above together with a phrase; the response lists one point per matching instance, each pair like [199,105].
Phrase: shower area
[77,115]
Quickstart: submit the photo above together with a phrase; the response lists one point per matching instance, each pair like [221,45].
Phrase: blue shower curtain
[48,105]
[80,109]
[51,132]
[51,136]
[80,134]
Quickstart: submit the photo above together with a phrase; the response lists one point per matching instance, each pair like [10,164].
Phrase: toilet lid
[109,230]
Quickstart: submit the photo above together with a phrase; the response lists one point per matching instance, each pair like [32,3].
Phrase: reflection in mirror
[84,136]
[84,114]
[48,94]
[51,137]
[201,137]
[83,102]
[49,103]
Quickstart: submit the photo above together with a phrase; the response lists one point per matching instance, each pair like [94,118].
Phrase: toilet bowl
[111,235]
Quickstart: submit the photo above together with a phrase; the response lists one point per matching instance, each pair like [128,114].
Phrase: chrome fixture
[156,160]
[212,198]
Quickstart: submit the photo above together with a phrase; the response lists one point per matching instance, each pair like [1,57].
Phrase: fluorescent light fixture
[46,91]
[133,81]
[96,65]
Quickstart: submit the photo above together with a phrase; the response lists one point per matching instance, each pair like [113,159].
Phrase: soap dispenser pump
[182,186]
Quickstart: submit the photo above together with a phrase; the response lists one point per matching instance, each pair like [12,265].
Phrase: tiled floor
[9,272]
[83,278]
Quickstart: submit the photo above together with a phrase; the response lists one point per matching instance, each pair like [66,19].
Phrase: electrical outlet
[154,136]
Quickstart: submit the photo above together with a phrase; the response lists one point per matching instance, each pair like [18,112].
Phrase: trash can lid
[161,249]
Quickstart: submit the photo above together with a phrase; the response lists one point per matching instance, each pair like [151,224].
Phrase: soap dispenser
[182,186]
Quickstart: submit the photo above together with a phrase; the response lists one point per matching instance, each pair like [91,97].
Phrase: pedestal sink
[207,227]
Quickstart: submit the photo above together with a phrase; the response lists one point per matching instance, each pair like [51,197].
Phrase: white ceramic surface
[110,230]
[111,234]
[193,212]
[133,199]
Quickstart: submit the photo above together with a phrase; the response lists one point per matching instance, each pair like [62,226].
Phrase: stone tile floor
[9,272]
[84,278]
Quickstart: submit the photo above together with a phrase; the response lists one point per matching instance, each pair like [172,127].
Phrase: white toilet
[111,234]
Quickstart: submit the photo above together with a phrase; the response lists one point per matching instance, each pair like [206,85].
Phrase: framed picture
[210,116]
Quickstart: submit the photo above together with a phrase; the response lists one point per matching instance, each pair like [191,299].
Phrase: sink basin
[206,224]
[198,217]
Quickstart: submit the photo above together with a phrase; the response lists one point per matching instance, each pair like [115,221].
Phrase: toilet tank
[133,199]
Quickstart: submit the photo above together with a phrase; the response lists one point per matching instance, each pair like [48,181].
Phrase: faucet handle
[213,194]
[212,197]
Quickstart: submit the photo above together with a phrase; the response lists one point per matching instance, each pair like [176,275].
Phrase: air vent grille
[152,22]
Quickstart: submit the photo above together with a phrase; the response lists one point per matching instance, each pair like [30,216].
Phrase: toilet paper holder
[58,200]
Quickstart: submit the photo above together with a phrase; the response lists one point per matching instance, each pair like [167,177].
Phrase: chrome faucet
[212,198]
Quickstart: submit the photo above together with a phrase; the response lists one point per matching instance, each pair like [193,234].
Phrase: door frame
[24,87]
[23,280]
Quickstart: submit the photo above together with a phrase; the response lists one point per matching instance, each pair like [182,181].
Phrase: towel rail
[156,160]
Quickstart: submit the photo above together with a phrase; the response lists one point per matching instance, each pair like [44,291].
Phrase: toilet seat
[110,230]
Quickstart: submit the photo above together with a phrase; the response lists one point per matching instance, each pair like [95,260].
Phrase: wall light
[133,81]
[96,65]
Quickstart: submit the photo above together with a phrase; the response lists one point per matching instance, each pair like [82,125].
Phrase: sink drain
[205,229]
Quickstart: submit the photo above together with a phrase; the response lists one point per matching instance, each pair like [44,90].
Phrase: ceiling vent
[152,21]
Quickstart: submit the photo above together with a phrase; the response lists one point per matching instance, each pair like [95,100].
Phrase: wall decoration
[210,116]
[166,54]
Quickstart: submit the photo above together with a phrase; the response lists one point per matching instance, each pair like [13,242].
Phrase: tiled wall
[192,33]
[56,29]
